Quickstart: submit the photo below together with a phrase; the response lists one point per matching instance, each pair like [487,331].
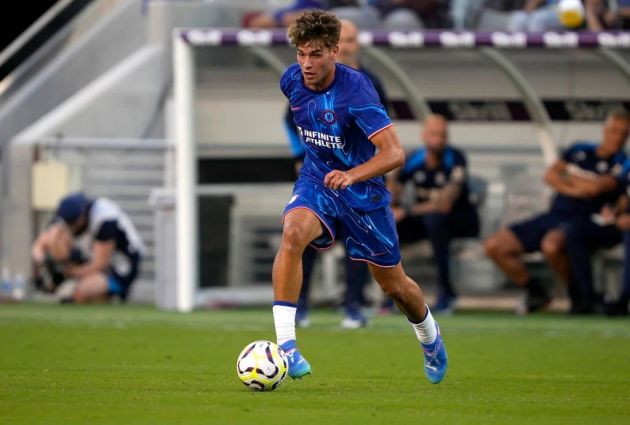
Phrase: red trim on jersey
[378,131]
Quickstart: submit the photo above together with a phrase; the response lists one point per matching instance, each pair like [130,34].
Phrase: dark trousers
[440,229]
[625,285]
[356,277]
[583,237]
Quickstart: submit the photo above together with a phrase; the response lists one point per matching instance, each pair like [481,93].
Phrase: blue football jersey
[582,160]
[335,126]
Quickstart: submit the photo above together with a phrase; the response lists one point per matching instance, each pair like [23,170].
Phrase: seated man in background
[584,180]
[442,209]
[600,231]
[619,307]
[116,248]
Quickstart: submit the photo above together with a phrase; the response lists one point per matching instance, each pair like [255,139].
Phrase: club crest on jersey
[328,116]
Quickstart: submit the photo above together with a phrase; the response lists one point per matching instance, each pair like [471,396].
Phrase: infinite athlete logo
[320,139]
[328,116]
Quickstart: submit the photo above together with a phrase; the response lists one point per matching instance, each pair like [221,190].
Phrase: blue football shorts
[368,235]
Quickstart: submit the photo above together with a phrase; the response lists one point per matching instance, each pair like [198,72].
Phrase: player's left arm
[389,157]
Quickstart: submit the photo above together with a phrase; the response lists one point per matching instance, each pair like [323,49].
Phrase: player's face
[317,64]
[435,134]
[348,45]
[616,132]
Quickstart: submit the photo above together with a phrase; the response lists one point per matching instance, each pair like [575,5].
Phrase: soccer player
[116,248]
[356,272]
[340,186]
[584,179]
[442,209]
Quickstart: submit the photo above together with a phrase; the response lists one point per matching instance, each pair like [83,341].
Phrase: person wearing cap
[115,248]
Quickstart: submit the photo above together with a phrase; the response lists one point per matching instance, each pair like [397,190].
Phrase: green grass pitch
[136,365]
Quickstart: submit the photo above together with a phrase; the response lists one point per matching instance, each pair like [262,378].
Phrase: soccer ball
[571,13]
[262,366]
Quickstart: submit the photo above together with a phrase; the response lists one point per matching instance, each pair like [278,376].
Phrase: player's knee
[492,246]
[547,248]
[294,239]
[551,247]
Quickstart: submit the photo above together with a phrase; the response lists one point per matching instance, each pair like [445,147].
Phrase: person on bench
[441,209]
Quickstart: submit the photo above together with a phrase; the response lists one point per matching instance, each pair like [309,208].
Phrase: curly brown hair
[315,25]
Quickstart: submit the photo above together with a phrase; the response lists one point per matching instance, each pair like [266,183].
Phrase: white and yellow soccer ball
[571,13]
[262,365]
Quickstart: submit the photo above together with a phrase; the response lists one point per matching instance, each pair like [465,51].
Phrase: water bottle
[19,287]
[6,286]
